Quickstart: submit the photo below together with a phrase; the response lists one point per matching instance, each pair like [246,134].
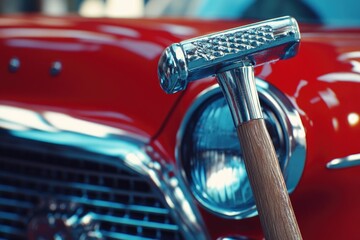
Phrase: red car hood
[109,75]
[109,66]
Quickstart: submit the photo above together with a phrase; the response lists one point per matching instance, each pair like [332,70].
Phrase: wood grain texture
[272,200]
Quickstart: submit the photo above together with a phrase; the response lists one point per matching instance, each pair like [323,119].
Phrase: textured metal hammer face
[200,57]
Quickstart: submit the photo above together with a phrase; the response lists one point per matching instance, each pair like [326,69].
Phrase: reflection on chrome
[67,132]
[349,161]
[177,197]
[185,204]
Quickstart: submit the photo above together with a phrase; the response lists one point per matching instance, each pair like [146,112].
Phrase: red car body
[109,76]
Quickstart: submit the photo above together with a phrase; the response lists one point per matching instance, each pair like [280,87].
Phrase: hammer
[231,55]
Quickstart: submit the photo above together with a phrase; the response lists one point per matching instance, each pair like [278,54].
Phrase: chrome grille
[123,202]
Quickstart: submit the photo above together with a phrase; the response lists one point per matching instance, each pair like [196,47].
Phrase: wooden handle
[272,200]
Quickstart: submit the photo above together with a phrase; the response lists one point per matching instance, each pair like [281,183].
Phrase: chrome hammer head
[200,57]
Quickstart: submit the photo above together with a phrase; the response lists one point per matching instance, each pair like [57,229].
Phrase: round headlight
[210,155]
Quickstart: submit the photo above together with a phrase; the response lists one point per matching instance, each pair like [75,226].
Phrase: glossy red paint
[109,75]
[100,64]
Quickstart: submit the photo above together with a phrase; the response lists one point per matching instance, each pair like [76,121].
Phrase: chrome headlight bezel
[274,103]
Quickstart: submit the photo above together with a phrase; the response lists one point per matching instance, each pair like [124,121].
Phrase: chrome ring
[293,137]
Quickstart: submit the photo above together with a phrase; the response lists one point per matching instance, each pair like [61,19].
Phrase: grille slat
[97,203]
[14,203]
[72,185]
[62,168]
[10,232]
[120,201]
[122,236]
[125,221]
[138,223]
[11,216]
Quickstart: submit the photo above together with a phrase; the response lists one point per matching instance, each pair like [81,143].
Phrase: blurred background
[90,8]
[328,12]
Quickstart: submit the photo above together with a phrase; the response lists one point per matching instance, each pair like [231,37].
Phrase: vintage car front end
[91,147]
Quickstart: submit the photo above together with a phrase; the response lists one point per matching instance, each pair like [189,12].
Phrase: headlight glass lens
[211,158]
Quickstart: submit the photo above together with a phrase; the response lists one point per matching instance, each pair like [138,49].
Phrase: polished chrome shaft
[238,85]
[200,57]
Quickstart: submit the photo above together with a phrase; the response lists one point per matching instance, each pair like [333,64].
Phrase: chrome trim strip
[98,139]
[345,162]
[291,125]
